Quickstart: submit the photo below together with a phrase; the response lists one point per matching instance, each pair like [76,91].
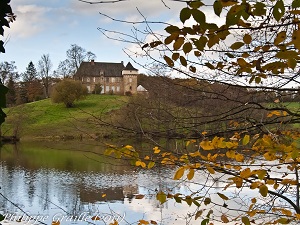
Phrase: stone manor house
[112,77]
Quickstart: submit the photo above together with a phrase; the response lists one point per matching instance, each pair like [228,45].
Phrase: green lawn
[44,118]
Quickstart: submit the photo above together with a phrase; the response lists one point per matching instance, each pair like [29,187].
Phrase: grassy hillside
[47,119]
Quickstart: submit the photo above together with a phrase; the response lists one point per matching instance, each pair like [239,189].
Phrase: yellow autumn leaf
[195,154]
[238,182]
[239,157]
[151,164]
[252,213]
[206,145]
[129,147]
[143,165]
[286,212]
[57,222]
[187,143]
[246,173]
[270,156]
[281,36]
[263,190]
[179,173]
[103,195]
[230,154]
[254,185]
[260,174]
[224,197]
[246,139]
[147,157]
[284,220]
[270,182]
[191,174]
[114,223]
[231,145]
[210,169]
[156,150]
[224,219]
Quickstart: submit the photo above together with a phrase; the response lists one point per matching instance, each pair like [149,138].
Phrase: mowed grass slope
[47,119]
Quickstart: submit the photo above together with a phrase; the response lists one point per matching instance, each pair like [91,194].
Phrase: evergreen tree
[31,73]
[11,94]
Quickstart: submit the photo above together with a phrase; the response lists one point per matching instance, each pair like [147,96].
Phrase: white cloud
[30,20]
[127,8]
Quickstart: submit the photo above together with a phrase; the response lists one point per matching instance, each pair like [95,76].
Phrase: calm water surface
[72,182]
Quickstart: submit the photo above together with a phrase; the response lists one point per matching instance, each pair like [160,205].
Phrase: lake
[73,182]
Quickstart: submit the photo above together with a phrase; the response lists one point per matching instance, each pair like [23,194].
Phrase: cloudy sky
[50,27]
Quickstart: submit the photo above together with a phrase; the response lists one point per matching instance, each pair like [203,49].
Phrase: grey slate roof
[94,69]
[129,67]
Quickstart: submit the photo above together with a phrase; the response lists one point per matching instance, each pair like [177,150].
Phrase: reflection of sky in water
[51,192]
[56,192]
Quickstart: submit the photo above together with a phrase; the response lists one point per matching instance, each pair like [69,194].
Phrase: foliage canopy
[67,91]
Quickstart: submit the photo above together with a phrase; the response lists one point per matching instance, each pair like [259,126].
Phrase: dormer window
[87,79]
[101,73]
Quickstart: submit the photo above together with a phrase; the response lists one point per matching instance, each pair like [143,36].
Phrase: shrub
[67,91]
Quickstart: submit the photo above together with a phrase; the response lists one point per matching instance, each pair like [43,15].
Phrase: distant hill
[44,119]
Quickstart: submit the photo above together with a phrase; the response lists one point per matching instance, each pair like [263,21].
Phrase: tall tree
[7,70]
[31,73]
[45,66]
[31,85]
[76,55]
[63,70]
[11,95]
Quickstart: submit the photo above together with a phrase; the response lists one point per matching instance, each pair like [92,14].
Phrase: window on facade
[94,79]
[130,88]
[107,80]
[102,89]
[118,88]
[87,79]
[89,89]
[112,79]
[130,80]
[113,88]
[107,89]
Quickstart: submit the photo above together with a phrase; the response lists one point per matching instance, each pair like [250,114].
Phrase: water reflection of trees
[71,190]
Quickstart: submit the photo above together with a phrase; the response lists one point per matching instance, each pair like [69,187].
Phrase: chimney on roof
[122,62]
[92,62]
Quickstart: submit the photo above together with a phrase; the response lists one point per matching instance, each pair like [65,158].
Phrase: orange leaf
[96,218]
[156,150]
[139,196]
[224,219]
[55,222]
[179,173]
